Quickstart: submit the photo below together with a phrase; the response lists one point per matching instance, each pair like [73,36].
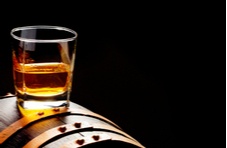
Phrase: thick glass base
[29,102]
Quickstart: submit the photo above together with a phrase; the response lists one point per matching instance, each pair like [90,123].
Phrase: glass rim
[59,28]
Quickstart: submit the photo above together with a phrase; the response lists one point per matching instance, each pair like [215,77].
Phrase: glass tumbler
[43,63]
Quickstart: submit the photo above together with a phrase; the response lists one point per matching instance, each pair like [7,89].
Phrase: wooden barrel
[64,127]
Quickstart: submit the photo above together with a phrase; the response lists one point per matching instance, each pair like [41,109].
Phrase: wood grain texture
[75,126]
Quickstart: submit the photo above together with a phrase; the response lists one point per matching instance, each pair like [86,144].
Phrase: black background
[156,69]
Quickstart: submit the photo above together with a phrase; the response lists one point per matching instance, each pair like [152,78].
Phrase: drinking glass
[43,63]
